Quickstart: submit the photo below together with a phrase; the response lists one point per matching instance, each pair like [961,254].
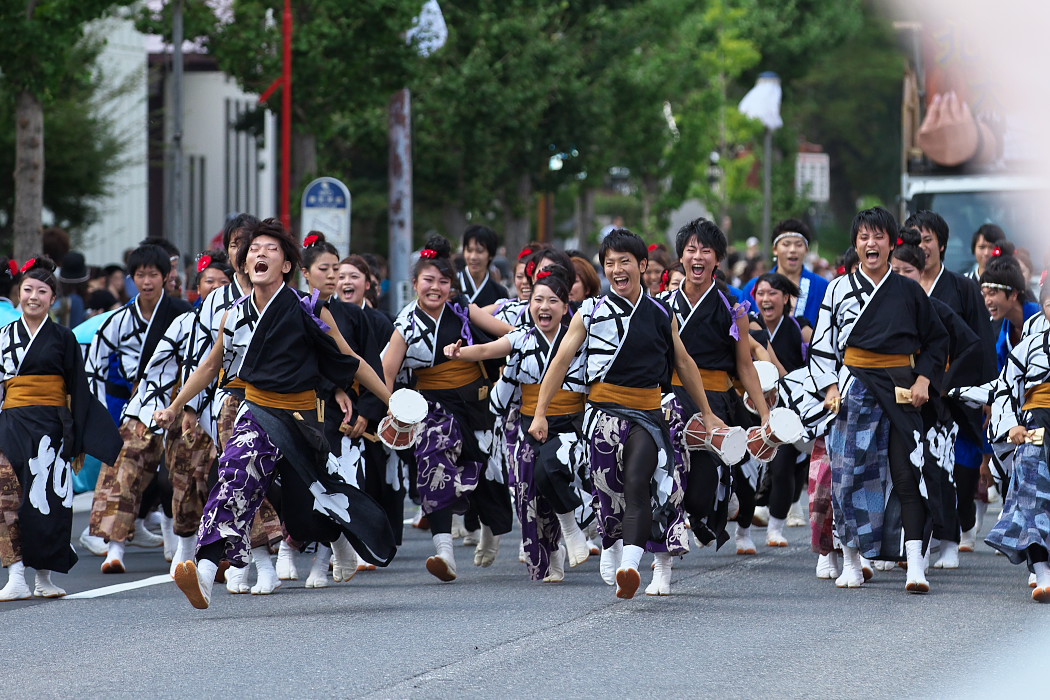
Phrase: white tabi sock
[344,560]
[206,569]
[266,581]
[237,578]
[16,588]
[852,569]
[610,562]
[775,532]
[167,533]
[286,570]
[1042,574]
[632,556]
[575,541]
[556,570]
[318,577]
[44,587]
[661,584]
[116,551]
[184,551]
[443,564]
[917,582]
[487,548]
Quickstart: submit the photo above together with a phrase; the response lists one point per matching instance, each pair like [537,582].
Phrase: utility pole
[400,211]
[177,227]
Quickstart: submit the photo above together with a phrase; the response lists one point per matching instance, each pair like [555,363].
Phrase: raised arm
[477,353]
[489,323]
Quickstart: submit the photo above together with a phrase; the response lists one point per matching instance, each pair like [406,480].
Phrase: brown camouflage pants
[121,484]
[266,527]
[10,502]
[189,459]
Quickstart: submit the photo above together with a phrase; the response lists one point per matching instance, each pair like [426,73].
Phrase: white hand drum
[401,429]
[767,377]
[783,428]
[729,444]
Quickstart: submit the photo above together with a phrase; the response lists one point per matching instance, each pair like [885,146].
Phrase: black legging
[783,481]
[947,530]
[639,465]
[906,486]
[745,496]
[966,481]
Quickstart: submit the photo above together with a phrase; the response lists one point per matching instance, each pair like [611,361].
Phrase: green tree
[41,38]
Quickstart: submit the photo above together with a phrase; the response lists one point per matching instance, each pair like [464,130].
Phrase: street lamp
[762,102]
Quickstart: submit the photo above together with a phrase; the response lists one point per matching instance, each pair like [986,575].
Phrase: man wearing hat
[69,311]
[790,245]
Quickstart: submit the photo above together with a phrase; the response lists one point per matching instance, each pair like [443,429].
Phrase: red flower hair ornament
[542,274]
[900,241]
[12,267]
[530,268]
[203,262]
[665,280]
[29,265]
[310,240]
[654,246]
[428,254]
[525,252]
[841,270]
[997,252]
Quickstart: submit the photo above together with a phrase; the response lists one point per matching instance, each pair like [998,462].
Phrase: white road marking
[121,587]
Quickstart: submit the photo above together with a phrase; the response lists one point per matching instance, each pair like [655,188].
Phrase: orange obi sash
[454,374]
[35,390]
[1037,397]
[235,383]
[296,401]
[564,403]
[866,359]
[626,396]
[714,380]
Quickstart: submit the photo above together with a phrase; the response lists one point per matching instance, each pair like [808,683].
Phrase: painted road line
[121,587]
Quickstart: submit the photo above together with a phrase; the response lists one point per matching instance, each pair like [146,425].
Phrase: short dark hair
[168,246]
[931,221]
[274,229]
[149,255]
[874,219]
[620,240]
[1005,271]
[483,236]
[707,234]
[990,233]
[235,223]
[792,226]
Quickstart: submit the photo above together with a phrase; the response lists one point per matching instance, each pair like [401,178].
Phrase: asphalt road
[733,627]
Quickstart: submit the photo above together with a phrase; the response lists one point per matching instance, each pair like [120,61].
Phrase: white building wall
[226,171]
[123,214]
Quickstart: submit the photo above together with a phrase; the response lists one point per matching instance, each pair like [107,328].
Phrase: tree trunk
[304,162]
[29,174]
[455,221]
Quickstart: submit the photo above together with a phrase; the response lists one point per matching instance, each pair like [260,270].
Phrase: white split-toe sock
[852,569]
[344,560]
[982,508]
[627,577]
[487,548]
[836,560]
[167,534]
[761,516]
[796,516]
[744,543]
[318,577]
[237,578]
[266,581]
[458,528]
[443,564]
[917,582]
[114,563]
[286,570]
[471,538]
[195,580]
[556,572]
[573,539]
[968,540]
[661,584]
[1041,592]
[522,556]
[44,587]
[824,569]
[949,557]
[144,538]
[16,588]
[185,548]
[610,562]
[775,532]
[93,544]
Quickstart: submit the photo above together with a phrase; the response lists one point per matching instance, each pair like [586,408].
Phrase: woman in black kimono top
[49,418]
[877,334]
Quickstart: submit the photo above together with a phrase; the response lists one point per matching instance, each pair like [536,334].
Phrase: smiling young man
[963,295]
[715,333]
[631,346]
[479,248]
[790,245]
[878,334]
[274,343]
[129,337]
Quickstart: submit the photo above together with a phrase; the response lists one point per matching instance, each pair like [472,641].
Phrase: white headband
[992,285]
[790,234]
